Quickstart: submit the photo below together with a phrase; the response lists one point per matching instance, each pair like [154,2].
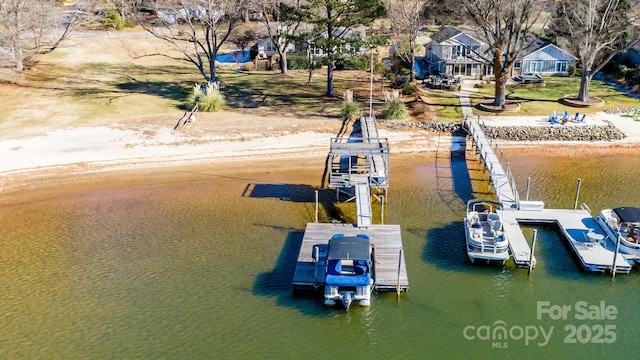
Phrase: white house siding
[549,59]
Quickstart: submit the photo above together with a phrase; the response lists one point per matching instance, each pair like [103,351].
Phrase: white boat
[349,270]
[625,222]
[483,231]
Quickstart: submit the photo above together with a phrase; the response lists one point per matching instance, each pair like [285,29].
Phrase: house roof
[445,34]
[544,50]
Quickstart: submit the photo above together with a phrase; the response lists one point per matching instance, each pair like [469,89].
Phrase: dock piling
[399,268]
[316,205]
[381,209]
[615,255]
[533,246]
[575,203]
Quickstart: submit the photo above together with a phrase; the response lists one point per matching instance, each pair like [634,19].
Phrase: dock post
[615,256]
[399,266]
[316,206]
[575,203]
[528,183]
[381,209]
[533,246]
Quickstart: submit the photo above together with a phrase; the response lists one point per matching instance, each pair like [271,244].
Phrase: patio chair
[554,119]
[565,116]
[576,117]
[581,120]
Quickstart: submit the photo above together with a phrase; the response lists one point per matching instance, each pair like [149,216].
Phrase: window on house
[535,66]
[517,65]
[561,66]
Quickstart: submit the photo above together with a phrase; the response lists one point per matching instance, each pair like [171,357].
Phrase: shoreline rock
[606,132]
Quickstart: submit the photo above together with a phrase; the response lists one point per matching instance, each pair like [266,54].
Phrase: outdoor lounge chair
[576,117]
[581,119]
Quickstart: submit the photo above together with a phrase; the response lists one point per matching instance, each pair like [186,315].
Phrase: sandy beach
[67,153]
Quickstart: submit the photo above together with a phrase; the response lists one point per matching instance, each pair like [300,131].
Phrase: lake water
[202,270]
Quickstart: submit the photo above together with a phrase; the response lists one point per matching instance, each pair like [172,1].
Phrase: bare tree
[595,30]
[196,29]
[31,27]
[504,26]
[282,21]
[242,37]
[406,20]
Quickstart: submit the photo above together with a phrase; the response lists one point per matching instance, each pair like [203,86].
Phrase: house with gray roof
[454,52]
[544,58]
[457,53]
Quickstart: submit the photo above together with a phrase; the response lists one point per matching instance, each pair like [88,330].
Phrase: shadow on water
[278,283]
[445,247]
[554,255]
[301,193]
[284,192]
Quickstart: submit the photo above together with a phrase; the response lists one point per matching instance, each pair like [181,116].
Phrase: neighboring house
[544,58]
[265,47]
[453,52]
[456,53]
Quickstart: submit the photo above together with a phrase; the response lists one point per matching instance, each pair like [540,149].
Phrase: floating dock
[585,237]
[390,267]
[582,233]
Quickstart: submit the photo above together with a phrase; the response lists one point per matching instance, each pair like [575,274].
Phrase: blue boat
[349,270]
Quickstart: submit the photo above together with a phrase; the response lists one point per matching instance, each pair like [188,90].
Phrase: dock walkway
[390,267]
[502,179]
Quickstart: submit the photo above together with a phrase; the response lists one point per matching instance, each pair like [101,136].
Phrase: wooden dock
[390,267]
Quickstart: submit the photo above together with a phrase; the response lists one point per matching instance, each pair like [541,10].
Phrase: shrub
[113,20]
[619,71]
[207,102]
[395,110]
[632,77]
[409,89]
[400,81]
[353,63]
[350,110]
[297,62]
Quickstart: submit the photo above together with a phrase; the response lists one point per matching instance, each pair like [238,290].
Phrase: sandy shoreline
[92,152]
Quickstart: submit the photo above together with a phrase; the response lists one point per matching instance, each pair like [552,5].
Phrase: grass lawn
[544,100]
[96,82]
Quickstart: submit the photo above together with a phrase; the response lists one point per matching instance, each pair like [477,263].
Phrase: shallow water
[203,270]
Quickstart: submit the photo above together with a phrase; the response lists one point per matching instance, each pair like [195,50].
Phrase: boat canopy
[349,247]
[628,214]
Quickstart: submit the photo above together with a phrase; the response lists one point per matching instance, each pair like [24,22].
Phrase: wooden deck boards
[363,204]
[387,240]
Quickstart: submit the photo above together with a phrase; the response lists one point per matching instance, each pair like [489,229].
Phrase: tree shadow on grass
[110,81]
